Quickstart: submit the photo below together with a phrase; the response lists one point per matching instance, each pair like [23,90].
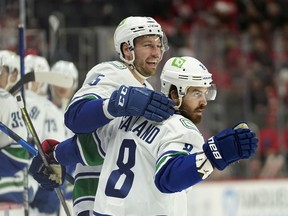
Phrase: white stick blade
[53,78]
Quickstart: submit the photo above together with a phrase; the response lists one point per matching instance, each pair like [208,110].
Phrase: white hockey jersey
[134,151]
[13,157]
[105,78]
[11,116]
[100,82]
[46,118]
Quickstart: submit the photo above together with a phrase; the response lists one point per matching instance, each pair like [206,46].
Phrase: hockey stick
[18,139]
[51,78]
[21,29]
[40,151]
[29,147]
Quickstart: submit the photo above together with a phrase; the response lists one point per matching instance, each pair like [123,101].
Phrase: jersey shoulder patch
[118,65]
[188,124]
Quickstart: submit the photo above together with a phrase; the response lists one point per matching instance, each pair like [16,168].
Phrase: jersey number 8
[120,181]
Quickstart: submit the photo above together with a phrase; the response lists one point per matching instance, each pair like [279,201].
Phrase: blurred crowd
[244,44]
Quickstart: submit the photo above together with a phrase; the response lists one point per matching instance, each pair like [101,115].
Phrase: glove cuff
[212,153]
[204,166]
[105,109]
[54,154]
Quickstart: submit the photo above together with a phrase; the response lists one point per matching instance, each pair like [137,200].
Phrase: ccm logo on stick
[121,101]
[214,149]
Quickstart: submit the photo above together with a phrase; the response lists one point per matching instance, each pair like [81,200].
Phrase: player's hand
[48,178]
[231,145]
[140,101]
[48,147]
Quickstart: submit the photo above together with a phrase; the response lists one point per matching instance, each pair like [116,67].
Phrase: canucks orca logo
[188,124]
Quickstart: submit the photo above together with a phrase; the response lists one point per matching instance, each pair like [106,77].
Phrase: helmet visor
[198,92]
[211,93]
[165,43]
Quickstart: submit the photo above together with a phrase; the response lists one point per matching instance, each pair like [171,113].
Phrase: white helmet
[184,72]
[133,27]
[66,68]
[37,64]
[10,60]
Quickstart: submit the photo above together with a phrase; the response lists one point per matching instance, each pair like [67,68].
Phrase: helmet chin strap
[132,66]
[178,106]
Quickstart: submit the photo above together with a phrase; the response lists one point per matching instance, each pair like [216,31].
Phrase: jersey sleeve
[13,158]
[85,112]
[87,149]
[176,166]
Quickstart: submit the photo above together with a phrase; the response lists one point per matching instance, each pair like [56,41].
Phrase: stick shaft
[21,29]
[33,151]
[18,139]
[40,151]
[26,145]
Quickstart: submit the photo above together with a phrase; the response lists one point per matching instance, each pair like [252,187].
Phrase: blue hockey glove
[48,179]
[231,145]
[140,101]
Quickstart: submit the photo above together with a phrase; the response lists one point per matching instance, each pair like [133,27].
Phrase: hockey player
[36,93]
[14,61]
[13,158]
[147,164]
[48,122]
[61,97]
[48,119]
[140,43]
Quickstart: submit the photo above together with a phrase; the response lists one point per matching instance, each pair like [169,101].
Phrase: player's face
[148,54]
[3,76]
[63,93]
[194,103]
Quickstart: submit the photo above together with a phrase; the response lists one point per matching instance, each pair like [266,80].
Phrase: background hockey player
[61,97]
[47,119]
[13,158]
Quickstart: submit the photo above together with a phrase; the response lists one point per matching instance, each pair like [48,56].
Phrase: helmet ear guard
[184,72]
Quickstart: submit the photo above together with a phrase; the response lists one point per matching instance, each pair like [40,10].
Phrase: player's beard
[144,69]
[195,118]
